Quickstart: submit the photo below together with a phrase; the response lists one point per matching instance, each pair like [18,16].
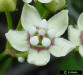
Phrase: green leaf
[43,12]
[2,55]
[69,63]
[5,66]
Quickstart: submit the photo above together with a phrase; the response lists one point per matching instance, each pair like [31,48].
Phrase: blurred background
[10,66]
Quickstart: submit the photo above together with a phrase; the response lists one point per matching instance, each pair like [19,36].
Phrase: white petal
[18,40]
[59,22]
[45,1]
[74,35]
[27,1]
[38,58]
[80,22]
[62,47]
[30,16]
[81,50]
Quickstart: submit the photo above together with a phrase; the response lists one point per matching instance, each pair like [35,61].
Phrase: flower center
[41,39]
[81,37]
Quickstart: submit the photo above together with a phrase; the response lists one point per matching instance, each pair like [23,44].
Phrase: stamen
[41,32]
[46,42]
[51,33]
[21,59]
[34,40]
[43,23]
[32,30]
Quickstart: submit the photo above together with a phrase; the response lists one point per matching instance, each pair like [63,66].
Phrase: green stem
[10,26]
[9,20]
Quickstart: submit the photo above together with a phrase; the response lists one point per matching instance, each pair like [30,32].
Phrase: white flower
[41,1]
[40,45]
[76,34]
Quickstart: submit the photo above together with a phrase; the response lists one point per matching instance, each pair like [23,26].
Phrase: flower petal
[61,48]
[59,22]
[81,50]
[74,35]
[27,1]
[38,58]
[18,40]
[30,16]
[80,22]
[45,1]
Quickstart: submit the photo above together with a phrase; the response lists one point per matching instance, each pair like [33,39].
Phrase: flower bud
[21,59]
[7,5]
[55,5]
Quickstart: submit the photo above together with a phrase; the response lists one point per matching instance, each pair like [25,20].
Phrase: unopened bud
[7,5]
[21,59]
[55,5]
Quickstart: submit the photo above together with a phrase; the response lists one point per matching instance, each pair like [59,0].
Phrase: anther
[46,42]
[34,40]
